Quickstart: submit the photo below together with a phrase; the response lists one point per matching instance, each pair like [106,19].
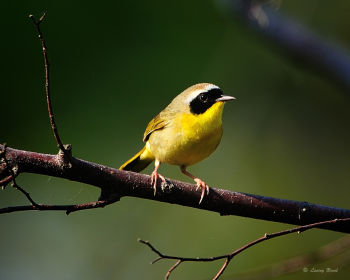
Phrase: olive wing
[158,122]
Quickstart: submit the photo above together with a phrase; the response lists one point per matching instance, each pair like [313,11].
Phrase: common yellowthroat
[187,131]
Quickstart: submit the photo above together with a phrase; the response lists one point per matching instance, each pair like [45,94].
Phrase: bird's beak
[225,98]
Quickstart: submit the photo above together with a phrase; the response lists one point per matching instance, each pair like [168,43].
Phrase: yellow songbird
[187,131]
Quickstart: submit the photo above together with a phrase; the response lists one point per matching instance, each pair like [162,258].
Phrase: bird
[187,131]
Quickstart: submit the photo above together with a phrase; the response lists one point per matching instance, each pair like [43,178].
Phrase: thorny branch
[228,257]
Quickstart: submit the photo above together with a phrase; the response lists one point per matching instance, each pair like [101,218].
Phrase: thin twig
[230,256]
[67,208]
[167,275]
[27,195]
[13,179]
[47,85]
[5,181]
[294,264]
[222,269]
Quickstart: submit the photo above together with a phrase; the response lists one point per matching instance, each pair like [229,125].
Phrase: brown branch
[115,184]
[47,85]
[13,178]
[4,173]
[230,256]
[295,41]
[67,208]
[167,275]
[35,206]
[5,181]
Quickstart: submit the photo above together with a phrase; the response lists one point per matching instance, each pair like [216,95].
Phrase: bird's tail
[139,161]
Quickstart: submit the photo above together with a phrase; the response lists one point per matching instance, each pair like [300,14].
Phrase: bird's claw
[154,178]
[202,185]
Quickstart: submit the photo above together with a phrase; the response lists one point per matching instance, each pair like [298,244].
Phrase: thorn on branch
[229,257]
[66,161]
[42,17]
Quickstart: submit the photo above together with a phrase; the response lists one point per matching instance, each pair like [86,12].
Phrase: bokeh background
[116,64]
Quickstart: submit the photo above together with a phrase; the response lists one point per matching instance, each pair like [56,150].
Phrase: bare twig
[229,257]
[5,181]
[47,85]
[13,178]
[167,275]
[298,263]
[67,208]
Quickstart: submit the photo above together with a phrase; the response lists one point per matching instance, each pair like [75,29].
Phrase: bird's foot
[202,185]
[154,178]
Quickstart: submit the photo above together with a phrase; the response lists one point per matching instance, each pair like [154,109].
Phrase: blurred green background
[116,64]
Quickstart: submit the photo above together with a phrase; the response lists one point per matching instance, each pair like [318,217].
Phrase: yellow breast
[189,138]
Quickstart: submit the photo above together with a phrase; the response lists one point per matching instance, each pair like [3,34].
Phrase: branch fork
[64,156]
[230,256]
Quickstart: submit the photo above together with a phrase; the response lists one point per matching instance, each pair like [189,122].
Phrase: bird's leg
[200,184]
[155,175]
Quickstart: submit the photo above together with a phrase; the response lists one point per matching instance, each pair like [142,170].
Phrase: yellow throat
[189,138]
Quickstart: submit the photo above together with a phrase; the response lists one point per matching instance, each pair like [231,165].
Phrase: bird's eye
[203,98]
